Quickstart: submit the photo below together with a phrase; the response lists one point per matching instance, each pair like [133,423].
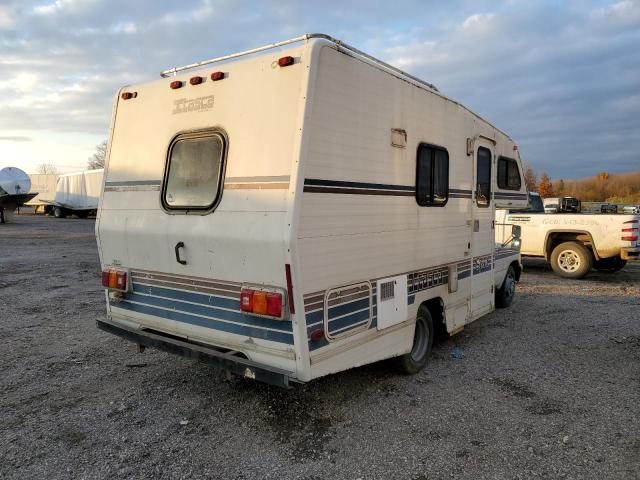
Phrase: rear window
[508,174]
[193,178]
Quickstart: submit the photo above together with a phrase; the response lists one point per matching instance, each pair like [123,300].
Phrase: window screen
[432,176]
[508,174]
[194,169]
[483,177]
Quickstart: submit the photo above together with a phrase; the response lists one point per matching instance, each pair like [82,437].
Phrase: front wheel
[414,361]
[505,294]
[571,260]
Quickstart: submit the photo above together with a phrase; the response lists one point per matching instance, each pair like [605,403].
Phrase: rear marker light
[633,238]
[274,304]
[215,76]
[128,95]
[260,303]
[196,80]
[176,84]
[317,335]
[287,270]
[285,61]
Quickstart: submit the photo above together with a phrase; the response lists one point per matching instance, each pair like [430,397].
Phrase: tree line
[603,187]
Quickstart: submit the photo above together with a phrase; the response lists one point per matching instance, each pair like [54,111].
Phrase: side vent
[387,291]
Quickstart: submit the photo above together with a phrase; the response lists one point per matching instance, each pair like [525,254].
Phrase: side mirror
[516,231]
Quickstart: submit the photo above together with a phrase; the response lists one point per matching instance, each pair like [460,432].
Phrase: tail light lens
[114,279]
[260,302]
[630,228]
[285,61]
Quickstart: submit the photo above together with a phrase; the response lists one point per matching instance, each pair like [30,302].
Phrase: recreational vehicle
[300,209]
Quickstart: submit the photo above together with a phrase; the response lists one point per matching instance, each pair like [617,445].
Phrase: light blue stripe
[208,323]
[201,298]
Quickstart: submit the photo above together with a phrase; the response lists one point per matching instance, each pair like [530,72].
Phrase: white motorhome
[300,209]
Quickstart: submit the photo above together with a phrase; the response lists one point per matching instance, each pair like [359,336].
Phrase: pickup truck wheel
[612,264]
[59,212]
[417,358]
[571,260]
[505,294]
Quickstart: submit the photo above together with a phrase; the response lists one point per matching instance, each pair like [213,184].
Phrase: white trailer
[301,209]
[76,194]
[45,185]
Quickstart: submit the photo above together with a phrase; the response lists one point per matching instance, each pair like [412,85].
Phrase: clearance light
[285,61]
[128,95]
[175,84]
[259,302]
[114,280]
[196,80]
[215,76]
[317,335]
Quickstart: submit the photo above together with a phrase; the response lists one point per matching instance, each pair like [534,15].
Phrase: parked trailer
[77,194]
[300,211]
[45,185]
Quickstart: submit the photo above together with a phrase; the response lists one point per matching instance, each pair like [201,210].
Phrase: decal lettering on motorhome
[482,264]
[426,279]
[199,104]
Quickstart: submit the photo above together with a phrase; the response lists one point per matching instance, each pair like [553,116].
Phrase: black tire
[506,292]
[83,214]
[59,212]
[571,260]
[417,358]
[612,264]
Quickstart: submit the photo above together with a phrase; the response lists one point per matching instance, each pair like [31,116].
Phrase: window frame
[433,148]
[477,190]
[193,209]
[507,160]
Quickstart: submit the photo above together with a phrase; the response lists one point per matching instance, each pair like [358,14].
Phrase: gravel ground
[549,388]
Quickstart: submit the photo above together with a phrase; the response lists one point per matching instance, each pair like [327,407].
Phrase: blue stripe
[234,316]
[347,308]
[464,274]
[208,323]
[343,184]
[201,298]
[477,271]
[348,320]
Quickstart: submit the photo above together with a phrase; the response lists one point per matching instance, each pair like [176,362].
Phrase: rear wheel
[505,294]
[417,358]
[59,212]
[612,264]
[83,214]
[571,260]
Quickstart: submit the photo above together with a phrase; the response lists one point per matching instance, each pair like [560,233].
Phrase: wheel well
[436,309]
[556,238]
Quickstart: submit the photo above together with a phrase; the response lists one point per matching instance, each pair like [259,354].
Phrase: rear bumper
[237,365]
[630,253]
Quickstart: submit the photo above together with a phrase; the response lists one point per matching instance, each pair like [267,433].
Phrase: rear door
[482,231]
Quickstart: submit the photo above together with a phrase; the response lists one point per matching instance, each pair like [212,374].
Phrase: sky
[561,78]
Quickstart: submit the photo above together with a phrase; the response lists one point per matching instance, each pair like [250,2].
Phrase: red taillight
[631,229]
[274,304]
[317,335]
[215,76]
[630,238]
[285,61]
[176,84]
[261,303]
[128,95]
[196,80]
[114,279]
[246,300]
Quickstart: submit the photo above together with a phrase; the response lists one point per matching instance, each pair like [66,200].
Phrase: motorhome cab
[301,209]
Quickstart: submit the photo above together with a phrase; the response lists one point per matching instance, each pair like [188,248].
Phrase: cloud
[15,138]
[561,78]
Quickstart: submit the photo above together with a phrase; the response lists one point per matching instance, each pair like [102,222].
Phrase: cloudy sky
[562,78]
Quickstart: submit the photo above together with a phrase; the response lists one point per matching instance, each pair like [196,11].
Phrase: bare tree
[98,158]
[47,168]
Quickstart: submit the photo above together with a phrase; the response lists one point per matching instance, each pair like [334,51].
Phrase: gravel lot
[549,387]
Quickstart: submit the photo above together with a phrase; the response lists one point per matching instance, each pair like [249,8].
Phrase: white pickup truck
[572,242]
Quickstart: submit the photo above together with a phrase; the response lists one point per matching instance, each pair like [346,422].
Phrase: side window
[432,176]
[483,177]
[193,175]
[508,174]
